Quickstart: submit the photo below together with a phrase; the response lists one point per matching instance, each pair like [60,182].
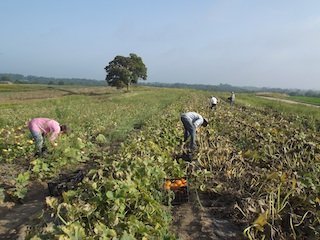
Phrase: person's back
[196,118]
[45,126]
[191,121]
[213,102]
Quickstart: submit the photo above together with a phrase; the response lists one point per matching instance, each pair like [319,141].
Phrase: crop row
[268,161]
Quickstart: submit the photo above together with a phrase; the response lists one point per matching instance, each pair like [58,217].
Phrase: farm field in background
[302,99]
[311,100]
[260,158]
[306,112]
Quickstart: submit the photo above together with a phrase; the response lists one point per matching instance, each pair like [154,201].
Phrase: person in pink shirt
[44,127]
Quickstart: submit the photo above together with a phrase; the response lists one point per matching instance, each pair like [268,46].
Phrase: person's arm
[53,137]
[54,132]
[198,122]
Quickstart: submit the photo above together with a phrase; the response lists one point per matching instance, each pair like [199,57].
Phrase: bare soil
[206,217]
[14,217]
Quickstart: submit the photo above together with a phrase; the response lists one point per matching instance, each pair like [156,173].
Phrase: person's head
[64,129]
[205,122]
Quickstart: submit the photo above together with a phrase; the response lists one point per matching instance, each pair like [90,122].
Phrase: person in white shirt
[213,102]
[191,121]
[232,98]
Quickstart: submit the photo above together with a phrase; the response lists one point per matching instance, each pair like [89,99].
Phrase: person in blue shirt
[191,121]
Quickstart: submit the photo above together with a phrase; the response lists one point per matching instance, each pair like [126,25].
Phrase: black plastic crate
[65,182]
[181,193]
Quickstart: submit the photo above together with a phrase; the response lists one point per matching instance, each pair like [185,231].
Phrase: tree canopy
[124,71]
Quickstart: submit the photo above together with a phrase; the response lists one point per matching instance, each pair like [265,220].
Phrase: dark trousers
[189,130]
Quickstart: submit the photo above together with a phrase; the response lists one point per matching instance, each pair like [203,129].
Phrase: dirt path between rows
[208,221]
[191,221]
[14,218]
[289,101]
[204,216]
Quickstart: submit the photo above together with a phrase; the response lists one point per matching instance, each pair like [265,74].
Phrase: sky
[274,43]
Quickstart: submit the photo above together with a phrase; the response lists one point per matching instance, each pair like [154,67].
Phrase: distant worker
[213,102]
[191,121]
[42,127]
[232,98]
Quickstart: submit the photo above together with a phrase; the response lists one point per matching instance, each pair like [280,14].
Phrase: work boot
[38,154]
[44,150]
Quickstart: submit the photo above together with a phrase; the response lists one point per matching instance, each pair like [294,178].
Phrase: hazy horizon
[271,44]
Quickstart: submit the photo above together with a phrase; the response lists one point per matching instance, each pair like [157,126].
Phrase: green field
[294,110]
[300,99]
[260,157]
[310,100]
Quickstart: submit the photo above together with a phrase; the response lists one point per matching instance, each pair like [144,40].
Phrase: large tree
[123,71]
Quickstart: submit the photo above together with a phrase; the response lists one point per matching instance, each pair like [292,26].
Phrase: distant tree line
[221,87]
[21,79]
[229,88]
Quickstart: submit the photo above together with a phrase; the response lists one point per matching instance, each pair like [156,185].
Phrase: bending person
[45,127]
[191,121]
